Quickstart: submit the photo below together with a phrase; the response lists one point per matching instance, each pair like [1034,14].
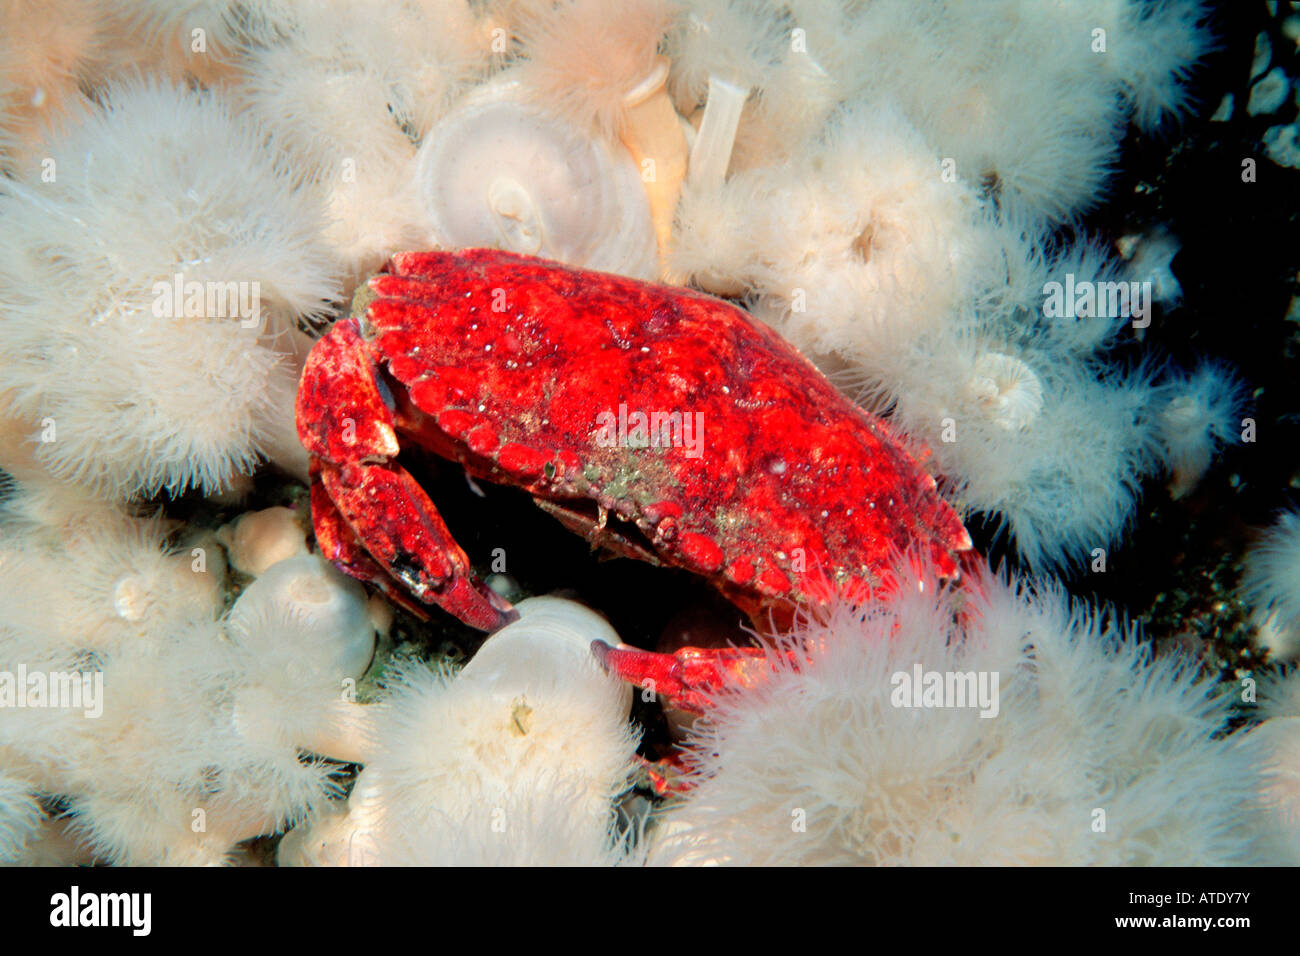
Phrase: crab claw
[375,523]
[689,678]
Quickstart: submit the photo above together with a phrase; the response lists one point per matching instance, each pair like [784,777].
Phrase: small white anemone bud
[1007,389]
[1199,412]
[258,539]
[502,173]
[1150,261]
[548,651]
[305,610]
[306,636]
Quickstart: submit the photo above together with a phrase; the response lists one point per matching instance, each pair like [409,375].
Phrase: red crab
[767,480]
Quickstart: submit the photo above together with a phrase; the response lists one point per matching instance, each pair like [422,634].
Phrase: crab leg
[688,678]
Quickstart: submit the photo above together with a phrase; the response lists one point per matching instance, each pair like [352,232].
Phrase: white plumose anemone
[199,724]
[1276,746]
[1027,97]
[1043,446]
[1270,584]
[518,759]
[347,89]
[129,583]
[861,228]
[1198,413]
[1085,750]
[140,388]
[20,817]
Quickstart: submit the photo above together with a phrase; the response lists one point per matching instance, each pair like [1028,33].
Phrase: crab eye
[385,393]
[549,469]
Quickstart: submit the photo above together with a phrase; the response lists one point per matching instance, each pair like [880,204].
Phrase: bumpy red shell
[519,368]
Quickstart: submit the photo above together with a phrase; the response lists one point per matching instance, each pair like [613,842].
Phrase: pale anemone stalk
[517,759]
[735,40]
[161,357]
[777,56]
[605,74]
[711,151]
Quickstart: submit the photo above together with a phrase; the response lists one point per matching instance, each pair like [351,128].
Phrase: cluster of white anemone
[896,172]
[208,728]
[892,229]
[875,180]
[1069,744]
[517,759]
[164,355]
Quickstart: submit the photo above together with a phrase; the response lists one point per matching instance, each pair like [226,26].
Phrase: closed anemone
[1007,389]
[501,173]
[303,611]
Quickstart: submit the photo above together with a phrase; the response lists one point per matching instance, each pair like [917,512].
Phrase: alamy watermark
[1086,299]
[944,689]
[179,299]
[56,690]
[131,911]
[651,430]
